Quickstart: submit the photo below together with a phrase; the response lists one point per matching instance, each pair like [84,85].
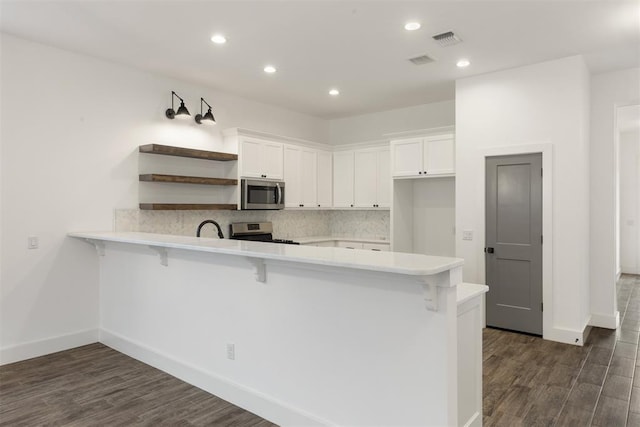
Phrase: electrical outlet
[467,234]
[231,351]
[32,242]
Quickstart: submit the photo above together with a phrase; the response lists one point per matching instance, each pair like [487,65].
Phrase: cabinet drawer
[349,245]
[381,247]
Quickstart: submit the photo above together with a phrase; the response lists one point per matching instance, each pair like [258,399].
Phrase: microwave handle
[279,193]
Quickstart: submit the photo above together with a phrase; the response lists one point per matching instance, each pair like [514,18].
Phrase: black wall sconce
[182,110]
[208,117]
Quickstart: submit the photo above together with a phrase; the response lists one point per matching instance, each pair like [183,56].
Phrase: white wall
[608,91]
[374,126]
[71,125]
[630,202]
[434,216]
[545,103]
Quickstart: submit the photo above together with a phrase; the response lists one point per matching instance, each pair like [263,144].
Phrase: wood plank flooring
[527,382]
[95,385]
[532,382]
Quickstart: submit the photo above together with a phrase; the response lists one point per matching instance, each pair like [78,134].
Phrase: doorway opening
[628,190]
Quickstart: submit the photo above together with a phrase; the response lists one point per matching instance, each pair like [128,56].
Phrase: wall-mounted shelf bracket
[164,254]
[261,269]
[430,295]
[99,245]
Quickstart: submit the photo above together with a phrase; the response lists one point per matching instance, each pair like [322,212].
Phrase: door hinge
[541,171]
[541,239]
[541,306]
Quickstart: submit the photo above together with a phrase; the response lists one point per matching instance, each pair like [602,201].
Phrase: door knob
[488,250]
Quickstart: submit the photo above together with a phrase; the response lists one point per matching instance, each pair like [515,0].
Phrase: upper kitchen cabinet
[260,159]
[423,157]
[300,176]
[325,179]
[372,178]
[343,173]
[307,174]
[361,178]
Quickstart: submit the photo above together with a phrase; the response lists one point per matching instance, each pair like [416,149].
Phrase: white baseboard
[567,336]
[247,398]
[608,321]
[29,350]
[627,270]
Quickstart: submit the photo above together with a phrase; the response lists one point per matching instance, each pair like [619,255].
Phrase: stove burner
[257,232]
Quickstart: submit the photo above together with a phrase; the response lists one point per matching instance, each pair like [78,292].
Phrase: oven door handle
[279,194]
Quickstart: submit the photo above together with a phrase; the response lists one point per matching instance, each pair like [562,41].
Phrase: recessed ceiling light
[334,92]
[412,26]
[269,69]
[218,39]
[463,63]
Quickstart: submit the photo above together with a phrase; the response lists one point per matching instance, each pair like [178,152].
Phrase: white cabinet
[469,298]
[365,185]
[348,245]
[325,179]
[300,176]
[371,178]
[379,247]
[423,157]
[343,172]
[307,176]
[361,178]
[260,159]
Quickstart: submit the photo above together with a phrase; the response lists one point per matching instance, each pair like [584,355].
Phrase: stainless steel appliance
[261,194]
[256,231]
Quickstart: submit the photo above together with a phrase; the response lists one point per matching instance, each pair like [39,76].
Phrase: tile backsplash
[287,224]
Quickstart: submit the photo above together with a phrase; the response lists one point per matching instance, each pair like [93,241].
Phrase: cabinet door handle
[377,250]
[420,173]
[352,206]
[318,205]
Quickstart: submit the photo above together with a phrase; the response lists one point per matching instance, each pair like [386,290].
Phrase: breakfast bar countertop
[389,262]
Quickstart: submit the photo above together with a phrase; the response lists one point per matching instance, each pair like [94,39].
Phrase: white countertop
[318,239]
[466,291]
[389,262]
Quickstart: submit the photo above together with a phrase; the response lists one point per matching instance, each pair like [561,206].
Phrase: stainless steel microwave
[261,194]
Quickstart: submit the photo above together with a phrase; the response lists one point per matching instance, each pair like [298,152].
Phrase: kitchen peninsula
[300,335]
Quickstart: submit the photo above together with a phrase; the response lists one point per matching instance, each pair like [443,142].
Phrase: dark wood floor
[97,386]
[532,382]
[527,382]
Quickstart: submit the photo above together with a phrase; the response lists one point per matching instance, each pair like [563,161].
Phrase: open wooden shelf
[187,207]
[181,179]
[168,150]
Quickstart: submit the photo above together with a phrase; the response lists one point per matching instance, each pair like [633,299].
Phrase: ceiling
[359,47]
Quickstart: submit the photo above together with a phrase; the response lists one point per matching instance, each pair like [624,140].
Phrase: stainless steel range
[256,231]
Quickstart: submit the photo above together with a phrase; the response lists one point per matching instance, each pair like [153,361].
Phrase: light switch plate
[467,234]
[32,242]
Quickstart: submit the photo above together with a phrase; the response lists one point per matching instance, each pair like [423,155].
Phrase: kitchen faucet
[210,221]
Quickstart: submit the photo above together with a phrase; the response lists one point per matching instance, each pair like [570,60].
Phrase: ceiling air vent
[447,39]
[421,60]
